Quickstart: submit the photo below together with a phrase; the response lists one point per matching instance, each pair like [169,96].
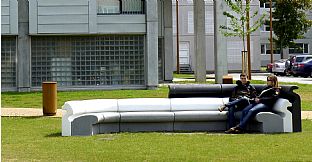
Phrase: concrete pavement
[255,76]
[26,112]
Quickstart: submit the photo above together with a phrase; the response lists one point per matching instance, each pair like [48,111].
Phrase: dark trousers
[234,106]
[250,112]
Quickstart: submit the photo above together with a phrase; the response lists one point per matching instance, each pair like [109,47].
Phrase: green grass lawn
[34,99]
[39,139]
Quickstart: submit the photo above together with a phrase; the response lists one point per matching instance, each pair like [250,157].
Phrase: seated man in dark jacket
[242,95]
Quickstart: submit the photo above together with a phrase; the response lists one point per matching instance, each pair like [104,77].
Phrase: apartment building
[84,44]
[303,46]
[112,44]
[260,51]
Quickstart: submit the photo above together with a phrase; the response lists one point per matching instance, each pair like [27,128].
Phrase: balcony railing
[111,7]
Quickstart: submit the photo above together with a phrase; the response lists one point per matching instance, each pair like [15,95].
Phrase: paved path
[256,76]
[38,112]
[26,112]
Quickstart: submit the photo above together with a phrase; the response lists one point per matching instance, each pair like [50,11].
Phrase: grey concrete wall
[79,17]
[59,16]
[151,44]
[23,48]
[9,17]
[121,24]
[167,8]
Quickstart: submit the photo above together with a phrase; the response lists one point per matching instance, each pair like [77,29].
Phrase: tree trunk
[281,48]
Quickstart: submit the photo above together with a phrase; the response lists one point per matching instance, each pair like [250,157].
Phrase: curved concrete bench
[91,117]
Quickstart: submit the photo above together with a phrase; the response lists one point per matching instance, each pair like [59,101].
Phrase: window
[266,26]
[209,24]
[299,48]
[174,22]
[81,61]
[191,1]
[8,62]
[190,22]
[120,7]
[108,6]
[160,59]
[208,1]
[266,49]
[267,5]
[132,6]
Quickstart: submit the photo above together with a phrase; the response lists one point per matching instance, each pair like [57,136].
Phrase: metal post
[177,27]
[248,43]
[244,62]
[271,31]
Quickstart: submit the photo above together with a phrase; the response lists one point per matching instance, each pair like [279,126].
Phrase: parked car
[303,68]
[278,67]
[299,59]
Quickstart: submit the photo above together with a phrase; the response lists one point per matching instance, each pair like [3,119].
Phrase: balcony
[116,7]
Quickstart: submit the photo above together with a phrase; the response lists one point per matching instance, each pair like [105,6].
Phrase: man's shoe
[230,131]
[221,108]
[234,130]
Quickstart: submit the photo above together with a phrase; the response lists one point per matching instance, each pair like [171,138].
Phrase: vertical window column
[8,62]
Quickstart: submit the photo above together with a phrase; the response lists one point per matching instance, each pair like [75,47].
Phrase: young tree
[238,20]
[290,21]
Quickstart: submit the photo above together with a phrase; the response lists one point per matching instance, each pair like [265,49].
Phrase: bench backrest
[143,105]
[197,104]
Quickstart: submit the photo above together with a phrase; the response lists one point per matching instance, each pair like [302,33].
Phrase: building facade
[83,44]
[234,44]
[113,44]
[303,46]
[260,45]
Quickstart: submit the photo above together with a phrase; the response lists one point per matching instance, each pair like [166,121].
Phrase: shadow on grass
[31,117]
[57,134]
[19,93]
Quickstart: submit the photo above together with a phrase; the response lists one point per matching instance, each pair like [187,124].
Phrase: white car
[278,67]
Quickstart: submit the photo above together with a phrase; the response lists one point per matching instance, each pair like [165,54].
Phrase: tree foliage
[290,21]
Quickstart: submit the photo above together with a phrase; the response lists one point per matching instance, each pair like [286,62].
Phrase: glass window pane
[306,48]
[88,61]
[132,6]
[262,49]
[8,62]
[108,6]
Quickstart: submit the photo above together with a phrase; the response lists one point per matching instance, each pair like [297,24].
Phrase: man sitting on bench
[242,95]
